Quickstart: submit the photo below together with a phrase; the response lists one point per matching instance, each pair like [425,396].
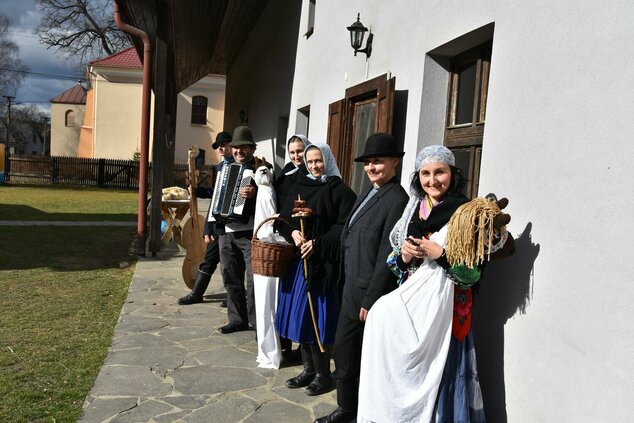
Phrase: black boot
[307,376]
[200,286]
[322,382]
[347,401]
[338,416]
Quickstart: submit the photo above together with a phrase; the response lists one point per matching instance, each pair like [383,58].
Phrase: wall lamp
[357,32]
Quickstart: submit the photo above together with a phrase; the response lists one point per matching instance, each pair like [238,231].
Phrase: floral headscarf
[429,154]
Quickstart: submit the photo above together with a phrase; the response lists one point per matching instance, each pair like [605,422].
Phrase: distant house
[112,121]
[67,116]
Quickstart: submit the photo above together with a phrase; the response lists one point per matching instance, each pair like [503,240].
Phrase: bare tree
[83,30]
[11,67]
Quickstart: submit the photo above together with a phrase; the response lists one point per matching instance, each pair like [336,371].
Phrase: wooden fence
[105,173]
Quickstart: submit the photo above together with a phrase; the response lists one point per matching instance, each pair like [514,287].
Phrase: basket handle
[255,233]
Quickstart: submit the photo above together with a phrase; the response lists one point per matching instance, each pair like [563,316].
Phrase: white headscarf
[306,144]
[429,154]
[330,165]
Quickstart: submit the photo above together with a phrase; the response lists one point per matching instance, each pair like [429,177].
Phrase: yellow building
[112,119]
[67,115]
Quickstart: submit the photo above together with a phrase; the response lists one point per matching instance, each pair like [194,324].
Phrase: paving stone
[102,409]
[227,357]
[227,410]
[279,411]
[197,345]
[144,412]
[168,357]
[324,408]
[187,321]
[181,369]
[261,394]
[172,417]
[136,340]
[186,402]
[153,310]
[130,306]
[205,380]
[185,333]
[141,324]
[298,396]
[129,381]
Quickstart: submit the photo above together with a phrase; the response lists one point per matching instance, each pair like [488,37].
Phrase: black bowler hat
[223,137]
[380,145]
[242,135]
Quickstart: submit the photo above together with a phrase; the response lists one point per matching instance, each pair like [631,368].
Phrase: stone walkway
[169,363]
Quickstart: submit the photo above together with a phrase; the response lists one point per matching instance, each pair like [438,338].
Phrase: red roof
[75,95]
[124,59]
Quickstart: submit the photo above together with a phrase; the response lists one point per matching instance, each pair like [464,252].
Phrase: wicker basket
[269,258]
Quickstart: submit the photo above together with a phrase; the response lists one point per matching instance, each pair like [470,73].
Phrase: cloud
[24,21]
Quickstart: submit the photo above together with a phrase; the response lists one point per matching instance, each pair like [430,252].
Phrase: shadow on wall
[507,288]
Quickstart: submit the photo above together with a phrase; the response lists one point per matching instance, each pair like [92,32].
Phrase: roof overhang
[203,37]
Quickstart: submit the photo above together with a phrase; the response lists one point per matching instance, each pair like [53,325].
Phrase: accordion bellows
[226,203]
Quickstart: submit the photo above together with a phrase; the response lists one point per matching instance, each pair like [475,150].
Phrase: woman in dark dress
[295,148]
[330,201]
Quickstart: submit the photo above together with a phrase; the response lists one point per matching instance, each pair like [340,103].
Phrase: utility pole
[9,100]
[7,164]
[45,131]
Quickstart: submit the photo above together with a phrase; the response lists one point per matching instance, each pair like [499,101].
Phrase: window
[199,110]
[311,18]
[466,111]
[70,118]
[302,122]
[367,108]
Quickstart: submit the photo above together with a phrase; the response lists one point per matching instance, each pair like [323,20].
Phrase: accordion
[226,203]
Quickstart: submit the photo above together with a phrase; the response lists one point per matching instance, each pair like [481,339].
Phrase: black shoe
[190,299]
[338,416]
[301,380]
[233,327]
[320,385]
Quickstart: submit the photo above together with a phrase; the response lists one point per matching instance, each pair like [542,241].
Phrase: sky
[37,90]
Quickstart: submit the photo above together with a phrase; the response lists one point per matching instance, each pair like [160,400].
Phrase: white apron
[265,288]
[405,346]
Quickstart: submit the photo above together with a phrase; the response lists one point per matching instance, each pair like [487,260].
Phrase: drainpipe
[145,126]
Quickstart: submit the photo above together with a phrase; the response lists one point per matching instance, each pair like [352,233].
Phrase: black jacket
[331,202]
[365,247]
[284,182]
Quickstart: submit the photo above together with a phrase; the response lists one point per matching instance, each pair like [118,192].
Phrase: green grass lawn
[67,203]
[62,289]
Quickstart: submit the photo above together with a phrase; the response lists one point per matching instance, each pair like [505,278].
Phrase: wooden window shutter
[385,103]
[336,125]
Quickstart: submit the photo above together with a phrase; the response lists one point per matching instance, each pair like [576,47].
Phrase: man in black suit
[365,247]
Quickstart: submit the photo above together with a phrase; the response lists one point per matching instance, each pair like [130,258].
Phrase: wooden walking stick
[301,211]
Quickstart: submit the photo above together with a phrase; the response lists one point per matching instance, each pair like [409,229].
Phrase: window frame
[469,136]
[199,111]
[341,120]
[67,123]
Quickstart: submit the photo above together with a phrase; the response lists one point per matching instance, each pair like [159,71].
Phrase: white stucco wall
[187,134]
[261,78]
[552,329]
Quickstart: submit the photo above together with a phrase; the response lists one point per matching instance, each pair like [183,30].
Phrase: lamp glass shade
[357,32]
[356,39]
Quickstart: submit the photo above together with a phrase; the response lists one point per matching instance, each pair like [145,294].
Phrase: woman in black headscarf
[330,201]
[295,148]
